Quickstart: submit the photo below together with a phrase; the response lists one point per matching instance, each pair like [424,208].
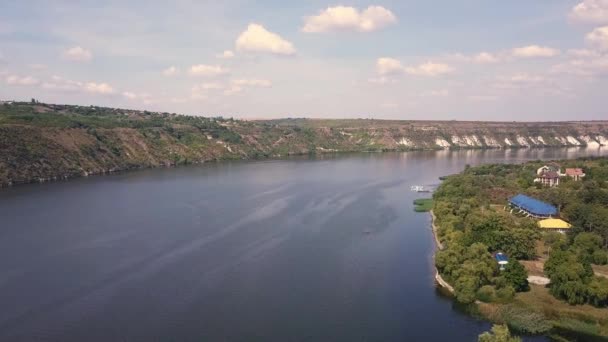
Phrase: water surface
[324,249]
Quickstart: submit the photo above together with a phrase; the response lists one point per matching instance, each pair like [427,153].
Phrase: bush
[525,320]
[486,294]
[600,257]
[505,294]
[499,333]
[516,276]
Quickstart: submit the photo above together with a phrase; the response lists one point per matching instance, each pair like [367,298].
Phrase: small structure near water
[532,207]
[419,188]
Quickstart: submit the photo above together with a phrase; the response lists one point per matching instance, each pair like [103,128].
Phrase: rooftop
[554,224]
[549,174]
[533,206]
[575,172]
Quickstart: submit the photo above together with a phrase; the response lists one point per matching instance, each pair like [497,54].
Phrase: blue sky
[465,60]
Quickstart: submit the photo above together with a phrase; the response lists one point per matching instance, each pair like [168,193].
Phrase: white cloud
[429,69]
[61,84]
[598,38]
[21,80]
[145,97]
[171,71]
[227,54]
[204,70]
[590,67]
[78,54]
[381,80]
[519,81]
[209,86]
[485,58]
[532,51]
[98,88]
[342,18]
[524,78]
[257,39]
[583,53]
[590,11]
[252,83]
[200,91]
[129,95]
[388,66]
[57,83]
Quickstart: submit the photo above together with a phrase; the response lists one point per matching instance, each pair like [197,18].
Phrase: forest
[474,222]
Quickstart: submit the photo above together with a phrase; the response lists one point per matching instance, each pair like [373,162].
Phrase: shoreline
[168,164]
[438,246]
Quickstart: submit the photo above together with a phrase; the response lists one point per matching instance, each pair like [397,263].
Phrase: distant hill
[40,142]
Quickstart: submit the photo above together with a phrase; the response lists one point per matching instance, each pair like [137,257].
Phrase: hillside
[40,142]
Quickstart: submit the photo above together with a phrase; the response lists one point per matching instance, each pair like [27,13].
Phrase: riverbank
[473,225]
[439,246]
[41,142]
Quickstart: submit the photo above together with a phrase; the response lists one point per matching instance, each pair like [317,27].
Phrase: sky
[393,59]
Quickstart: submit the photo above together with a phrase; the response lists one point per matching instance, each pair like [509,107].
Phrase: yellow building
[554,225]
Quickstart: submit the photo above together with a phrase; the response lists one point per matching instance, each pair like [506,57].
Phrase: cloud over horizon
[252,59]
[257,39]
[343,18]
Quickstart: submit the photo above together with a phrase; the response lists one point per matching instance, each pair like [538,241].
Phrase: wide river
[325,249]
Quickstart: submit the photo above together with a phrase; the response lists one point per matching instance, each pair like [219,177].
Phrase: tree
[499,333]
[598,292]
[516,276]
[466,288]
[587,243]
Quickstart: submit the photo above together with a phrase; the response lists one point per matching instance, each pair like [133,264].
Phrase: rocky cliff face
[40,142]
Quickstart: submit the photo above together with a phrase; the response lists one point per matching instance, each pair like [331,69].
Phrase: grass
[422,205]
[588,318]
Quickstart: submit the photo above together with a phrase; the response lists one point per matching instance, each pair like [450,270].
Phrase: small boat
[419,188]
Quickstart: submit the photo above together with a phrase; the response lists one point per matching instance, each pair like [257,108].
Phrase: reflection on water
[327,248]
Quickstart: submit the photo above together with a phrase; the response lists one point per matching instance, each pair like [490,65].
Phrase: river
[306,249]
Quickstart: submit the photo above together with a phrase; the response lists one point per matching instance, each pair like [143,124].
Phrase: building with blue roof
[501,259]
[532,207]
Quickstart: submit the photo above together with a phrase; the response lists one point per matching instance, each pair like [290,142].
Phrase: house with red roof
[548,178]
[575,173]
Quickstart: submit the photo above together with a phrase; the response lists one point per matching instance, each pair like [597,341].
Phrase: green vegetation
[525,320]
[423,204]
[45,141]
[499,333]
[473,223]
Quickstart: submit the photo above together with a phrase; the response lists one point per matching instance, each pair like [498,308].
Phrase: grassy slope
[41,141]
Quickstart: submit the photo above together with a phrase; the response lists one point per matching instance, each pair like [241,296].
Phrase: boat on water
[419,188]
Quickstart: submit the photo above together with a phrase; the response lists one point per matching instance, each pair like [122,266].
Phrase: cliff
[41,142]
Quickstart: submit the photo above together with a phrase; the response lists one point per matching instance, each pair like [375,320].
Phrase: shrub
[499,333]
[516,276]
[486,293]
[505,294]
[525,320]
[600,257]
